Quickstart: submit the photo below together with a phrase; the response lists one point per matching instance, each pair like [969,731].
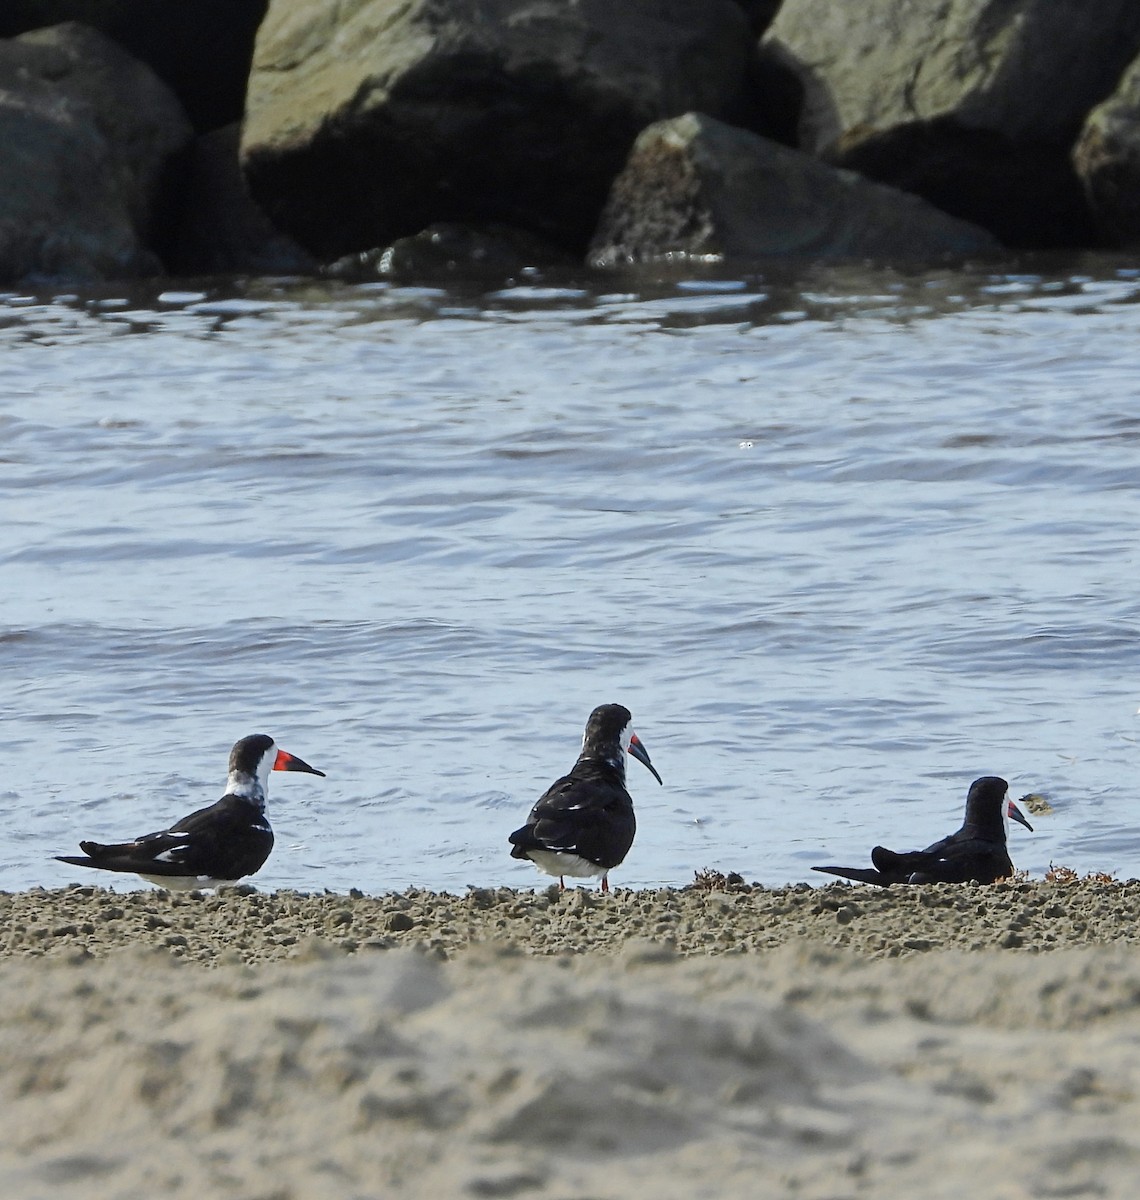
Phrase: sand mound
[801,1071]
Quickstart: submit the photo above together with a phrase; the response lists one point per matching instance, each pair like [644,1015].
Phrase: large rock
[87,137]
[1107,159]
[973,104]
[697,187]
[200,48]
[367,122]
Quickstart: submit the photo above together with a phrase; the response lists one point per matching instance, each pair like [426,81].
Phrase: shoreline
[242,924]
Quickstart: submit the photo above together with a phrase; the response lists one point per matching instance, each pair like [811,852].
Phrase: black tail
[858,874]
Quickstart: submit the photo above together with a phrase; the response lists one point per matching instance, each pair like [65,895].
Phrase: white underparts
[184,883]
[563,862]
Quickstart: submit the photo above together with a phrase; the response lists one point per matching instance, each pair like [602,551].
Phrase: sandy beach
[829,1042]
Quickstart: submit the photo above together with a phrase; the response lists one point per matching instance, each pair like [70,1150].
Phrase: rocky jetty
[399,136]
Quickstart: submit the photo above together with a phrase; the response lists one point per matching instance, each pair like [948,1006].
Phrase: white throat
[623,751]
[254,788]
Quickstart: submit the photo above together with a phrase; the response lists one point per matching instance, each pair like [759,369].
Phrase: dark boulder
[695,187]
[89,139]
[366,123]
[972,104]
[200,48]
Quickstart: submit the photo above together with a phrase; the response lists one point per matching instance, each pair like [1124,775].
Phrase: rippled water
[842,542]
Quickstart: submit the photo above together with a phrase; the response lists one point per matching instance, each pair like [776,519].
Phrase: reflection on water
[842,541]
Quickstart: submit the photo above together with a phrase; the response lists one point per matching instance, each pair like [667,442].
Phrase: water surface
[841,542]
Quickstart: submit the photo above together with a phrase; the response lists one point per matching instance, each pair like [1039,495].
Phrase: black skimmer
[975,854]
[583,824]
[214,845]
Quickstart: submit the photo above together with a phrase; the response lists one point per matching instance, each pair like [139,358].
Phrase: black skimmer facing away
[583,824]
[214,845]
[975,854]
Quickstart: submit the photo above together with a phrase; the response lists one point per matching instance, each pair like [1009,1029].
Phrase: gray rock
[443,249]
[201,49]
[368,122]
[973,104]
[695,187]
[1107,160]
[87,135]
[222,230]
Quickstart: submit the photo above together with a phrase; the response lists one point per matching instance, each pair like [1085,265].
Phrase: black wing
[958,858]
[964,860]
[226,840]
[858,874]
[586,816]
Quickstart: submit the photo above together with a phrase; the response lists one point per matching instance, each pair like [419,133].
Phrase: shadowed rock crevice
[1026,194]
[218,228]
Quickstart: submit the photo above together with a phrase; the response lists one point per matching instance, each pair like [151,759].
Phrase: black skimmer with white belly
[583,824]
[977,853]
[218,844]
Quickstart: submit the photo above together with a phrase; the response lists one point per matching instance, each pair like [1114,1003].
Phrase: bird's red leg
[605,883]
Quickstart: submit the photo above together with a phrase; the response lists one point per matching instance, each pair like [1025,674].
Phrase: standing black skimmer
[975,854]
[214,845]
[583,824]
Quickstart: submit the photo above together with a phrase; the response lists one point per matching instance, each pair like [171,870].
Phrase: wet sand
[829,1042]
